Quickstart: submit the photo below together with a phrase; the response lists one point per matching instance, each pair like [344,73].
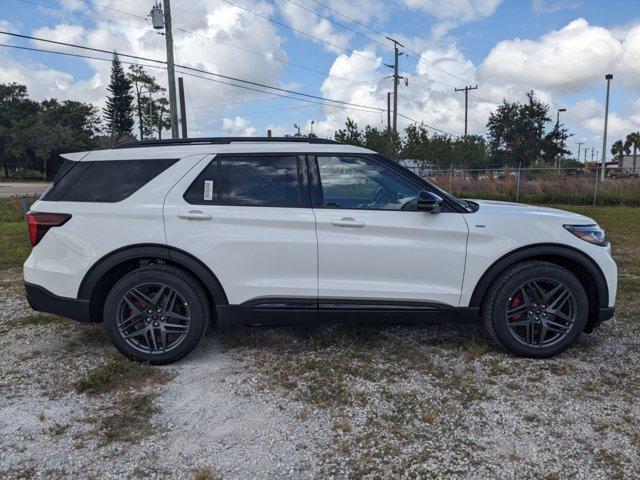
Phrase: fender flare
[537,251]
[141,251]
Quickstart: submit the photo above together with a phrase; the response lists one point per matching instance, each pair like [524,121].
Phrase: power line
[291,97]
[254,52]
[199,70]
[417,58]
[114,9]
[284,25]
[371,109]
[424,124]
[269,57]
[349,18]
[78,14]
[338,24]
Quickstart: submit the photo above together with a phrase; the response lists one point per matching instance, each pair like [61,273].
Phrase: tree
[351,135]
[15,106]
[32,134]
[158,117]
[619,149]
[517,133]
[119,110]
[633,141]
[146,84]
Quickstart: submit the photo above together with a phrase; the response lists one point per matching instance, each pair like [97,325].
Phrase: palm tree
[633,141]
[618,149]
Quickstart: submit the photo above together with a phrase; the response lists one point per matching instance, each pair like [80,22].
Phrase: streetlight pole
[608,78]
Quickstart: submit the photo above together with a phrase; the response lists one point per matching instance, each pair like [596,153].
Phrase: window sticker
[208,190]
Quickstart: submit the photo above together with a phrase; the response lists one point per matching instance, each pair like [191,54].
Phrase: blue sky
[561,49]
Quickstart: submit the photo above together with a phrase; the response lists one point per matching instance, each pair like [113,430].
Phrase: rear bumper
[604,314]
[43,300]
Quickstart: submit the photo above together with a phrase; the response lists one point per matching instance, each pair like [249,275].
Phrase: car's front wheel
[536,309]
[156,314]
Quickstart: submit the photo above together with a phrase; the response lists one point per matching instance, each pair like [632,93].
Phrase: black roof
[221,141]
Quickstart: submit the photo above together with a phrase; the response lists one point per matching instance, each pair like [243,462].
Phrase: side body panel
[393,255]
[63,257]
[498,228]
[255,252]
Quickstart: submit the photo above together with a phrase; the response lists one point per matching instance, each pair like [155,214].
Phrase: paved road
[10,189]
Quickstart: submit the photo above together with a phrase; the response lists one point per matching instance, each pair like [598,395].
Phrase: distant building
[626,162]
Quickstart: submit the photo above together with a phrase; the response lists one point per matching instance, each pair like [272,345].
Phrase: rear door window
[252,180]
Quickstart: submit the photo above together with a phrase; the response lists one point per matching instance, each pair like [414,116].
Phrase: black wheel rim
[541,312]
[153,318]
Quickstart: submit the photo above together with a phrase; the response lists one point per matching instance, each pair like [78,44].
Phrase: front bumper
[42,300]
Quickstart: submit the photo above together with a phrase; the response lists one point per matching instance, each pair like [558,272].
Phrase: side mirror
[429,202]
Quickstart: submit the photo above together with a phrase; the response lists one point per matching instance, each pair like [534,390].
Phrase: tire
[523,319]
[180,319]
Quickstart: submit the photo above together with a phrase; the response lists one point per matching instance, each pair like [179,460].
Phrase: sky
[337,50]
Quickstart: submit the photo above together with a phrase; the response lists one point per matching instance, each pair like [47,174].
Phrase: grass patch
[14,237]
[14,244]
[119,373]
[129,420]
[35,319]
[11,209]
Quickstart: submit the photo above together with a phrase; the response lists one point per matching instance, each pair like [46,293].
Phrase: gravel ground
[331,402]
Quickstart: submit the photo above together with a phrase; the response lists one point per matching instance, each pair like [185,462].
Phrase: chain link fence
[578,186]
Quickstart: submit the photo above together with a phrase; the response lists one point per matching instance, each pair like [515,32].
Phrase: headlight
[589,233]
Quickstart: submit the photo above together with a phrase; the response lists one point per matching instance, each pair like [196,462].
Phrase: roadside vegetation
[545,188]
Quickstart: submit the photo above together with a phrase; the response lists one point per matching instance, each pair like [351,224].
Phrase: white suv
[157,239]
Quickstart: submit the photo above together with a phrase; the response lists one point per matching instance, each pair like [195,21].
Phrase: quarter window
[104,181]
[360,183]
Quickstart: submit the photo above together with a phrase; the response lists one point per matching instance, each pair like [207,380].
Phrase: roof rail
[220,141]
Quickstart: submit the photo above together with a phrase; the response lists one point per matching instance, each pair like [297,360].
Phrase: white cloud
[305,21]
[239,126]
[452,13]
[552,6]
[565,60]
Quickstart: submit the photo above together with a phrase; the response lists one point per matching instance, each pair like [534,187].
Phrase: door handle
[195,215]
[347,222]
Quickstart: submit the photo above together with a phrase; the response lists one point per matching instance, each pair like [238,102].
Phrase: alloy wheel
[541,312]
[153,318]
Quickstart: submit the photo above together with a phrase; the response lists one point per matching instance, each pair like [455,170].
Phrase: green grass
[11,209]
[14,244]
[129,420]
[117,373]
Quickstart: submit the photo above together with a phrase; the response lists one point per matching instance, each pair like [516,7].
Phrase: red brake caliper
[516,301]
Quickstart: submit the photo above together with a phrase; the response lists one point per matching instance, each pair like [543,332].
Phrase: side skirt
[281,312]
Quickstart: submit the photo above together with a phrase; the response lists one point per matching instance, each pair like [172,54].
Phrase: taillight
[41,222]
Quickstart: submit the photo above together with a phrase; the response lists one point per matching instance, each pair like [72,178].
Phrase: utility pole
[466,105]
[608,78]
[161,21]
[579,146]
[183,108]
[593,149]
[396,81]
[388,112]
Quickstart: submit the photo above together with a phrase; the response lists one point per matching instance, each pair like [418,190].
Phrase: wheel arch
[577,262]
[110,268]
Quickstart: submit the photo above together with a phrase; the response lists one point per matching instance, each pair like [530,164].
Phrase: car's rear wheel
[536,309]
[156,314]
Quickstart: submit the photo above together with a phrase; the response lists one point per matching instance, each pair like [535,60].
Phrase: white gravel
[429,402]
